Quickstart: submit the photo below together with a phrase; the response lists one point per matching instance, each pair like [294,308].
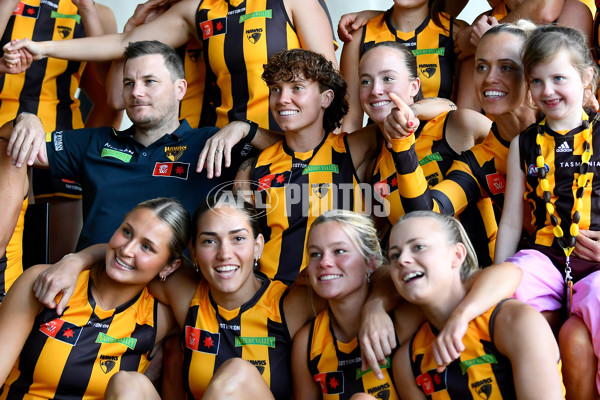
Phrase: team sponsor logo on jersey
[128,341]
[25,10]
[439,51]
[320,189]
[62,330]
[274,180]
[213,27]
[64,31]
[428,70]
[432,381]
[201,340]
[174,153]
[380,392]
[496,182]
[333,168]
[564,148]
[254,35]
[483,388]
[430,158]
[107,363]
[76,17]
[433,179]
[116,154]
[259,364]
[360,372]
[58,141]
[386,186]
[533,171]
[268,341]
[484,359]
[257,14]
[330,382]
[194,54]
[172,170]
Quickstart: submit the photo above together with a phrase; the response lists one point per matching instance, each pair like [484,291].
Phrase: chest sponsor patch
[257,14]
[213,27]
[496,182]
[25,10]
[484,359]
[333,168]
[128,341]
[330,382]
[119,155]
[268,341]
[274,180]
[430,158]
[201,340]
[432,381]
[75,17]
[172,170]
[62,330]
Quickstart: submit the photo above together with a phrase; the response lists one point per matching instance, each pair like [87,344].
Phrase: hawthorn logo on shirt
[428,70]
[107,363]
[320,189]
[64,31]
[174,153]
[25,10]
[201,340]
[274,180]
[213,27]
[62,330]
[259,364]
[496,182]
[432,381]
[253,35]
[330,382]
[483,388]
[172,170]
[386,186]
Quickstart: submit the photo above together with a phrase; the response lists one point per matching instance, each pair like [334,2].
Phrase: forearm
[383,295]
[430,107]
[539,11]
[265,138]
[99,48]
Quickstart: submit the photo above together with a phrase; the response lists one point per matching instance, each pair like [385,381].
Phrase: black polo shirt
[116,172]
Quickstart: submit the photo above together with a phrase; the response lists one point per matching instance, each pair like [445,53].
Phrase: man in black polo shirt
[156,157]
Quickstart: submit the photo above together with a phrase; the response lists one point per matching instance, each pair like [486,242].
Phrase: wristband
[252,132]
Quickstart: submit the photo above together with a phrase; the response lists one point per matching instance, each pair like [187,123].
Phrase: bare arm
[349,60]
[403,375]
[27,141]
[576,14]
[353,21]
[465,128]
[13,188]
[304,385]
[176,291]
[539,11]
[511,223]
[17,314]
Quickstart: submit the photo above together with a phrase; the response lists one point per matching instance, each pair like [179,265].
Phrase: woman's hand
[401,122]
[588,245]
[34,48]
[377,338]
[448,344]
[218,148]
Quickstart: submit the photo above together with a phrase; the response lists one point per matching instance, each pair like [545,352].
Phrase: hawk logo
[107,363]
[259,364]
[194,54]
[320,189]
[428,70]
[383,395]
[64,31]
[483,388]
[174,153]
[254,35]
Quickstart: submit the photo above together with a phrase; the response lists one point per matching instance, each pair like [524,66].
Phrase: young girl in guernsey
[343,253]
[509,351]
[110,324]
[552,181]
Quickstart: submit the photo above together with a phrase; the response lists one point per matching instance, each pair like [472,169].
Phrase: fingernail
[411,131]
[410,123]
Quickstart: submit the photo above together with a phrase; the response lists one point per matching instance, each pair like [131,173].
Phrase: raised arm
[349,61]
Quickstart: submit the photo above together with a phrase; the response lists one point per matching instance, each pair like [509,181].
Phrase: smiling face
[298,104]
[382,71]
[139,249]
[423,263]
[336,267]
[499,79]
[225,251]
[557,89]
[151,98]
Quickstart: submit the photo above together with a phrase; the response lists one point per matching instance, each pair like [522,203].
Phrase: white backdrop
[123,9]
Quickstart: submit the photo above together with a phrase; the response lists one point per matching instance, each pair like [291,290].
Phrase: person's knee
[362,396]
[234,375]
[574,340]
[131,386]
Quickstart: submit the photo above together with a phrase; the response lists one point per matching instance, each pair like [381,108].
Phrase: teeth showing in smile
[329,277]
[380,103]
[227,268]
[493,93]
[122,264]
[552,102]
[287,112]
[413,275]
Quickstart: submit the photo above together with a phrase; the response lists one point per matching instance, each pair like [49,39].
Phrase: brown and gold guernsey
[256,332]
[433,46]
[481,372]
[293,189]
[11,263]
[192,107]
[562,156]
[51,83]
[336,366]
[72,356]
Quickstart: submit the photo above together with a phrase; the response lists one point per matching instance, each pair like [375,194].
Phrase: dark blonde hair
[547,41]
[455,233]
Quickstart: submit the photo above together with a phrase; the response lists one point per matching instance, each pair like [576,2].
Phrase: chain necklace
[567,246]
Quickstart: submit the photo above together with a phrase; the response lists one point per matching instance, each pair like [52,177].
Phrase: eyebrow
[501,60]
[234,231]
[409,241]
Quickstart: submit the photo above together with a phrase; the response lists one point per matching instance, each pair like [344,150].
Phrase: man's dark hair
[148,47]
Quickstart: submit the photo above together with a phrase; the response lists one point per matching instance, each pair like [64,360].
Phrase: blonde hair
[455,233]
[361,231]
